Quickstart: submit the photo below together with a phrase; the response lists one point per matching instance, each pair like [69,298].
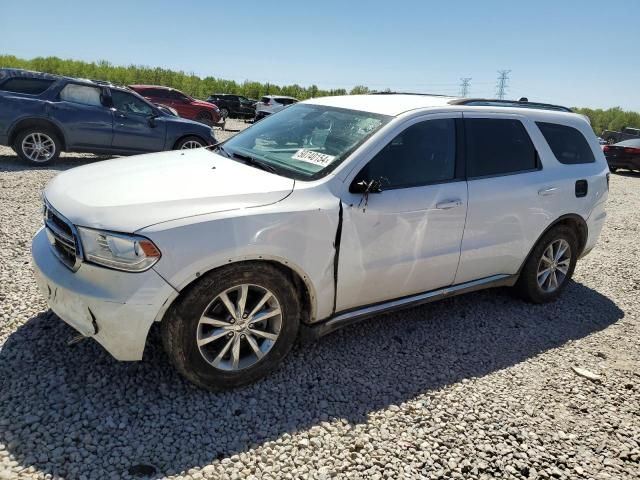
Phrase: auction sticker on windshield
[316,158]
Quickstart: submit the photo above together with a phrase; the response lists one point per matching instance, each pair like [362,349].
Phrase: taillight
[606,148]
[632,150]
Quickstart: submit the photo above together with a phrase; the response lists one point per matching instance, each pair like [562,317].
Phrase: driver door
[135,129]
[405,239]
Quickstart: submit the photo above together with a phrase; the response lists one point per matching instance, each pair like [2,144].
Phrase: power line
[501,87]
[464,86]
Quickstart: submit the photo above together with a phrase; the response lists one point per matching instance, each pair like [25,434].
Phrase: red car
[186,106]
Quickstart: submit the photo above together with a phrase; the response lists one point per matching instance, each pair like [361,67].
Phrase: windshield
[306,141]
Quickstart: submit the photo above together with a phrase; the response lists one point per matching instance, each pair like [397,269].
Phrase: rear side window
[424,153]
[567,143]
[81,94]
[31,86]
[498,147]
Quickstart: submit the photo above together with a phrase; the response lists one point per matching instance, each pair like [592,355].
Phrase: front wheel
[190,142]
[224,112]
[37,146]
[550,266]
[204,117]
[233,327]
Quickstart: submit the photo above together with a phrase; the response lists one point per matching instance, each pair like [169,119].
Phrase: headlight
[129,253]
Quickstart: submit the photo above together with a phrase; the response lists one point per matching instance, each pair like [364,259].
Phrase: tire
[613,169]
[528,285]
[204,117]
[189,142]
[224,112]
[47,140]
[182,327]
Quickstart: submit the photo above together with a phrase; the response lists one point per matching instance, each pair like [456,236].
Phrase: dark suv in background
[42,115]
[235,106]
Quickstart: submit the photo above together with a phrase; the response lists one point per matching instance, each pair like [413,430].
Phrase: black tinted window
[424,153]
[567,144]
[32,86]
[497,147]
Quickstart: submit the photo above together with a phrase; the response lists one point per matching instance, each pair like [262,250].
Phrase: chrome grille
[62,237]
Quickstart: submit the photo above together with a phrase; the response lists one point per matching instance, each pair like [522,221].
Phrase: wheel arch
[298,277]
[34,122]
[571,220]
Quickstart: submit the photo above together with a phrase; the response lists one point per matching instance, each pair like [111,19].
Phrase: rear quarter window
[568,144]
[31,86]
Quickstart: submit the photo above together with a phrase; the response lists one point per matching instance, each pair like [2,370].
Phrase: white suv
[333,210]
[271,104]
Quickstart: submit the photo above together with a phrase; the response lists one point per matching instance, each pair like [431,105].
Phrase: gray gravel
[480,386]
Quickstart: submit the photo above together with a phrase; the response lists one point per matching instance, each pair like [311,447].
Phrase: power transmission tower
[501,87]
[465,83]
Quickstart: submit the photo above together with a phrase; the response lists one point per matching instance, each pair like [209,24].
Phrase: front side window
[81,94]
[567,144]
[31,86]
[423,154]
[498,147]
[305,141]
[128,103]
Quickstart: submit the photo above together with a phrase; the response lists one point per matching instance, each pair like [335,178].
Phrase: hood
[202,103]
[130,193]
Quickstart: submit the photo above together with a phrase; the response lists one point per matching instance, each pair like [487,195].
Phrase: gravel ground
[479,386]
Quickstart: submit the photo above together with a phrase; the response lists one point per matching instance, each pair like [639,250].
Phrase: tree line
[610,119]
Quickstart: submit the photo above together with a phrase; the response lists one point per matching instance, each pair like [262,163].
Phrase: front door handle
[448,204]
[545,192]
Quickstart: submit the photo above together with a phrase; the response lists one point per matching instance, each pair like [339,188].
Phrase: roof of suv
[397,103]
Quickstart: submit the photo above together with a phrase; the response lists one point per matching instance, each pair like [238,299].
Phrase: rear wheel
[550,266]
[37,145]
[190,142]
[613,169]
[232,327]
[224,112]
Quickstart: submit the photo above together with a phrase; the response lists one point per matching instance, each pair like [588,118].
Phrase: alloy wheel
[38,147]
[554,265]
[190,144]
[239,327]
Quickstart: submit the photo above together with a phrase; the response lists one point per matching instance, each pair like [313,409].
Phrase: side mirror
[151,119]
[366,186]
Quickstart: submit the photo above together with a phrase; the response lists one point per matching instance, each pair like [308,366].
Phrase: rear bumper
[114,308]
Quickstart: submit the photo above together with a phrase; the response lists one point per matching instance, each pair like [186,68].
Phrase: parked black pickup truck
[626,134]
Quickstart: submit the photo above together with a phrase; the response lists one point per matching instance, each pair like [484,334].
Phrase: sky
[582,53]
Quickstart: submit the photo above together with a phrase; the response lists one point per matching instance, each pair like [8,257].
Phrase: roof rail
[410,93]
[488,102]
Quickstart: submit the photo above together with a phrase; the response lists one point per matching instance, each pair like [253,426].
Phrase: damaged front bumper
[115,308]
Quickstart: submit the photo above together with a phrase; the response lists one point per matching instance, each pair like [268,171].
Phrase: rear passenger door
[87,122]
[507,185]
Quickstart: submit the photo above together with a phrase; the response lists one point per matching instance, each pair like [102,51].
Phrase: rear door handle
[448,204]
[545,192]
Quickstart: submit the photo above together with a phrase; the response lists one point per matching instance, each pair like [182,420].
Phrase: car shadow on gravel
[66,410]
[11,163]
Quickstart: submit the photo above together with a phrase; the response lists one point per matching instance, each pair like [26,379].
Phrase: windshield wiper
[220,149]
[254,162]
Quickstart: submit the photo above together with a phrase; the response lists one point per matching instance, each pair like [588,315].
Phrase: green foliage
[139,74]
[610,119]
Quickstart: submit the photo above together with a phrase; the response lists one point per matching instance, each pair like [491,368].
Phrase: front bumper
[115,308]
